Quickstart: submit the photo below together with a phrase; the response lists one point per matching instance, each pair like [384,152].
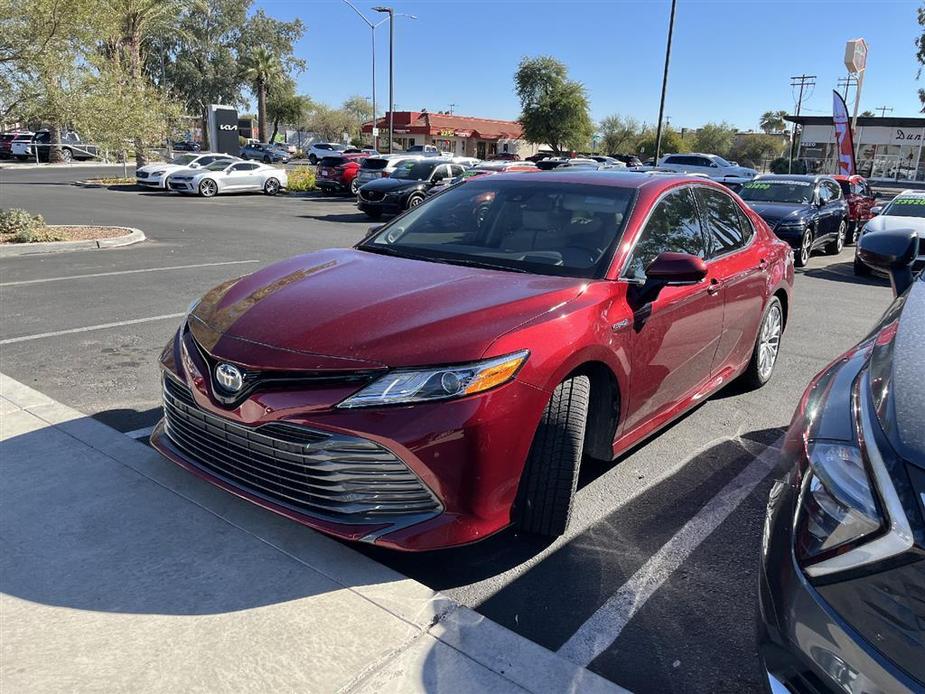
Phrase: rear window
[375,164]
[845,187]
[333,161]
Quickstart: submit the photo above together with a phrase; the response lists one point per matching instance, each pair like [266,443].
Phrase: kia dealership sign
[222,122]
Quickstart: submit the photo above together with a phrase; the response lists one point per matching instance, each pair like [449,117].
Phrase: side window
[834,190]
[673,226]
[250,167]
[439,173]
[723,221]
[701,161]
[238,167]
[457,170]
[674,160]
[823,192]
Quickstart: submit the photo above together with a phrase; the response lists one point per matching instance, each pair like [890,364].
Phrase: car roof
[617,178]
[794,177]
[911,193]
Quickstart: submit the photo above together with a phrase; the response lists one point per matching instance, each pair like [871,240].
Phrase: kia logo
[228,127]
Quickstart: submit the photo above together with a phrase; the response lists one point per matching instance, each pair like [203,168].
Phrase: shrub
[301,179]
[19,222]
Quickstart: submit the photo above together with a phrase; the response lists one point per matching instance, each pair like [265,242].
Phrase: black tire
[266,159]
[354,187]
[547,486]
[802,254]
[835,246]
[850,237]
[313,159]
[756,375]
[860,268]
[374,214]
[271,186]
[414,200]
[67,156]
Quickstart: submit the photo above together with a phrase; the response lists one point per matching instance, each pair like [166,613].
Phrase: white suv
[319,150]
[713,166]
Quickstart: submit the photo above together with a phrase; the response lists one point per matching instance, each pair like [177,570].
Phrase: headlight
[838,506]
[420,385]
[158,173]
[189,309]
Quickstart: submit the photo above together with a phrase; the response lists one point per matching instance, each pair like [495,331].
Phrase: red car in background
[338,173]
[860,199]
[442,379]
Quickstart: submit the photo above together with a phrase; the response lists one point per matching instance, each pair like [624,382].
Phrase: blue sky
[731,59]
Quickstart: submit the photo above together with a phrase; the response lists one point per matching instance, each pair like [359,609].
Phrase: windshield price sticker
[909,201]
[758,186]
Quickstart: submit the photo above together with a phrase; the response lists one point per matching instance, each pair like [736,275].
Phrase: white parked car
[224,177]
[381,166]
[905,212]
[324,149]
[155,175]
[713,166]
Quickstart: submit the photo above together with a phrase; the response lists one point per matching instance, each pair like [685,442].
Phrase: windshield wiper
[468,262]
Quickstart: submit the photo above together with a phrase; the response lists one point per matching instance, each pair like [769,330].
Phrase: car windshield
[719,161]
[906,207]
[548,228]
[413,170]
[778,191]
[183,159]
[220,165]
[332,161]
[374,164]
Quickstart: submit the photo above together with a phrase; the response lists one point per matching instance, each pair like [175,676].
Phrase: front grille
[178,186]
[343,478]
[371,195]
[141,174]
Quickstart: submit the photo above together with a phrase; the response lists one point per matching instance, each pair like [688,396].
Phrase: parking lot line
[125,272]
[88,328]
[603,628]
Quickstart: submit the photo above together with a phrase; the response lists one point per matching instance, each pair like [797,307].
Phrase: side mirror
[876,209]
[892,252]
[671,268]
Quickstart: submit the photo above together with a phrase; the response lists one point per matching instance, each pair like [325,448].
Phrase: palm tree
[262,68]
[773,121]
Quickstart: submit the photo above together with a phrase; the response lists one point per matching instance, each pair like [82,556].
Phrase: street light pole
[372,32]
[391,12]
[661,105]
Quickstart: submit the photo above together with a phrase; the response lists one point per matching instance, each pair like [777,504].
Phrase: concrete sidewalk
[120,571]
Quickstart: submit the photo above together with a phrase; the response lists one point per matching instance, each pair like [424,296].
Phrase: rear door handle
[714,287]
[762,264]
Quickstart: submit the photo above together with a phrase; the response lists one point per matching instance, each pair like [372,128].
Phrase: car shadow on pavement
[354,217]
[129,419]
[844,272]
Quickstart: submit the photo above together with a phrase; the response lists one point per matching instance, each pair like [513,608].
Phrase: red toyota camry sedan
[442,379]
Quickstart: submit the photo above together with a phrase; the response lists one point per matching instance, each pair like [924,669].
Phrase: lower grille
[372,195]
[343,478]
[141,174]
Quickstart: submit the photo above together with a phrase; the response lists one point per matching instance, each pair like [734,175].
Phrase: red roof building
[459,135]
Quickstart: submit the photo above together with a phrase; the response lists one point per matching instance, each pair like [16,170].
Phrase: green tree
[753,149]
[619,134]
[920,50]
[714,138]
[672,142]
[262,69]
[773,121]
[554,109]
[867,114]
[360,110]
[274,36]
[285,106]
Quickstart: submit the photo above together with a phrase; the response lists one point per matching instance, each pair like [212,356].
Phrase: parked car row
[208,174]
[27,145]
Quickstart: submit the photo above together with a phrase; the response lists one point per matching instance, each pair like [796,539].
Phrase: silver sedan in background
[225,177]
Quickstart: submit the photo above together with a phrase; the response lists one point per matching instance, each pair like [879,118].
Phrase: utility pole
[452,107]
[661,105]
[844,83]
[883,110]
[801,81]
[391,12]
[372,31]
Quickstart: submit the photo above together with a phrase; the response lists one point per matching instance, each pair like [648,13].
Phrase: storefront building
[462,136]
[887,149]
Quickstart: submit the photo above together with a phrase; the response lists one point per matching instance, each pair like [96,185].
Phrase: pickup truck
[427,151]
[72,147]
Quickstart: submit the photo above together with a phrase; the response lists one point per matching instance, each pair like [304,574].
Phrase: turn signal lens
[495,375]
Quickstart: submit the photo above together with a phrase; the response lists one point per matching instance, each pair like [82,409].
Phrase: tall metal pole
[661,105]
[372,31]
[391,80]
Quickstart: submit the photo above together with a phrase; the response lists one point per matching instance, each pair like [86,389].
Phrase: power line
[452,108]
[883,110]
[801,81]
[846,82]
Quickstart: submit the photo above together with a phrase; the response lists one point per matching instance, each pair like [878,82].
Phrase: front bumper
[180,186]
[334,185]
[159,182]
[385,206]
[804,643]
[792,235]
[467,453]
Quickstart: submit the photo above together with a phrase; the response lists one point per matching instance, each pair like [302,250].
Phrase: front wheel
[67,156]
[313,159]
[547,486]
[271,187]
[835,247]
[801,254]
[767,346]
[208,188]
[415,200]
[354,187]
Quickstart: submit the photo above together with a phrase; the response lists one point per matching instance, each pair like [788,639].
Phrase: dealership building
[888,149]
[462,136]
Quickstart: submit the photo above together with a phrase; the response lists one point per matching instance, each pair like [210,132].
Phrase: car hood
[897,374]
[169,168]
[391,185]
[893,223]
[340,309]
[776,212]
[180,171]
[740,172]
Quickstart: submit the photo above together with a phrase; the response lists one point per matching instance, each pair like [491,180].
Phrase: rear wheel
[271,187]
[801,254]
[313,159]
[67,155]
[767,346]
[354,187]
[208,188]
[547,487]
[835,247]
[266,158]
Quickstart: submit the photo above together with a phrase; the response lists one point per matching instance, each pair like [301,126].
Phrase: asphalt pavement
[654,586]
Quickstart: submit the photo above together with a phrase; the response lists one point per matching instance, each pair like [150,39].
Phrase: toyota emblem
[229,377]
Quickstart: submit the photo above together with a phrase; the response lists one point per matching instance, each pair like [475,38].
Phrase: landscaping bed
[23,232]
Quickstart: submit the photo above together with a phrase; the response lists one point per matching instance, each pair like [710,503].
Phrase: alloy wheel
[415,201]
[208,188]
[769,341]
[806,247]
[354,187]
[66,155]
[271,187]
[840,239]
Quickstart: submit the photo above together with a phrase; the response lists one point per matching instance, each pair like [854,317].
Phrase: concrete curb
[26,166]
[89,183]
[14,249]
[423,624]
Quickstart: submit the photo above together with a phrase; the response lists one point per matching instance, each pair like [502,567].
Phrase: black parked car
[842,581]
[268,154]
[808,212]
[405,188]
[187,146]
[628,159]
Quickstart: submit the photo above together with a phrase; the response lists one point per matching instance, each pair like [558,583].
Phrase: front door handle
[762,264]
[714,287]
